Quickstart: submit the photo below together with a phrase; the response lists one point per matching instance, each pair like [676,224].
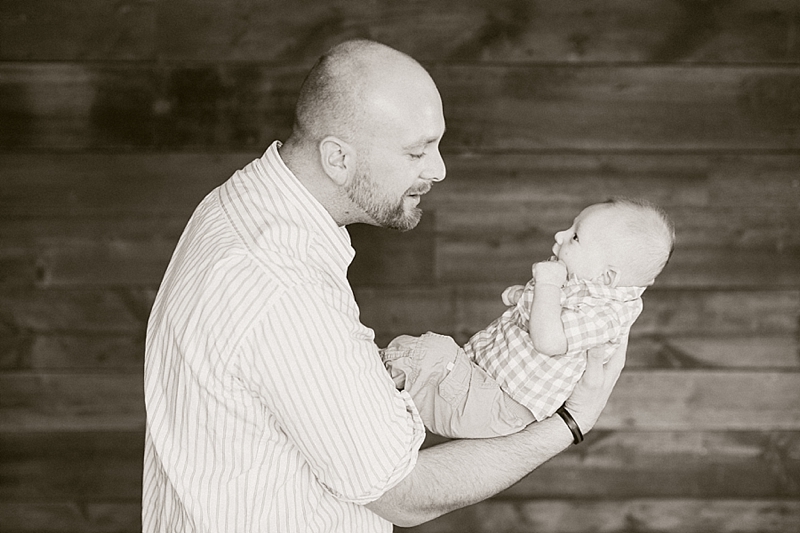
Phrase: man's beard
[384,211]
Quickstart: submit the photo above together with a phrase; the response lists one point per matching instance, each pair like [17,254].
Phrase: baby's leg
[455,397]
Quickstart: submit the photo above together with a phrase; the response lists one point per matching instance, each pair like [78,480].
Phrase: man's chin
[407,221]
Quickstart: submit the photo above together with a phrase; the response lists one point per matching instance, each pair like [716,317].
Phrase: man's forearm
[462,472]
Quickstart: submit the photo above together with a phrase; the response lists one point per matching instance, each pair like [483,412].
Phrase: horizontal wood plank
[544,185]
[482,30]
[686,400]
[35,30]
[96,184]
[667,312]
[87,311]
[393,258]
[92,352]
[125,353]
[523,225]
[71,106]
[665,400]
[756,251]
[71,466]
[71,517]
[665,464]
[548,182]
[556,516]
[104,328]
[487,30]
[95,328]
[508,257]
[106,466]
[71,402]
[733,352]
[679,515]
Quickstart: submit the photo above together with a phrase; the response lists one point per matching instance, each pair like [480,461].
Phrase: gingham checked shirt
[592,314]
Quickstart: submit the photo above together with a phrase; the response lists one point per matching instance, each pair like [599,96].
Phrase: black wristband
[577,436]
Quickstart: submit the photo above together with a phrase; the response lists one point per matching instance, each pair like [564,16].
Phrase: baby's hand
[512,294]
[551,272]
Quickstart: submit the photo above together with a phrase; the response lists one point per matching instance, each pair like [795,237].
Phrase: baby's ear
[611,276]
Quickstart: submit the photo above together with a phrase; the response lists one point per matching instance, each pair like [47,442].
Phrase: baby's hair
[650,240]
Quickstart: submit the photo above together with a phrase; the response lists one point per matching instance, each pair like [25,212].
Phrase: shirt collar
[594,289]
[278,199]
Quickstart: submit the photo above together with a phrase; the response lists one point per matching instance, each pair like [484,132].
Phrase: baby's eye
[575,237]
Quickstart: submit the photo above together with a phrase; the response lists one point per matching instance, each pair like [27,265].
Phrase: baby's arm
[546,328]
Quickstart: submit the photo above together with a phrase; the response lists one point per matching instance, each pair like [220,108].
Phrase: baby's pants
[455,397]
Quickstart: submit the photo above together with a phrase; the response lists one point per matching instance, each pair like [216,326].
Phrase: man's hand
[593,390]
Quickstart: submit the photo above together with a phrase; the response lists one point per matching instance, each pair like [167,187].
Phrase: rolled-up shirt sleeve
[317,370]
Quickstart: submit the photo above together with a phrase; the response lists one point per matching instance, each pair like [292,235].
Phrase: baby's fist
[552,272]
[512,294]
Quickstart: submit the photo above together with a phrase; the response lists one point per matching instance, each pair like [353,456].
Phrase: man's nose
[436,169]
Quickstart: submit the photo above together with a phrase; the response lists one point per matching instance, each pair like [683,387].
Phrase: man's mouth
[419,191]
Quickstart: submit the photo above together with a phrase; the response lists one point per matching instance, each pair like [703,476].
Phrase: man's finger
[594,374]
[616,362]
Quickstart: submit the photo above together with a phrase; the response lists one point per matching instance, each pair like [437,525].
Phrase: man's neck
[301,160]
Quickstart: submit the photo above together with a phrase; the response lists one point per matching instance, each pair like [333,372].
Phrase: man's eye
[417,156]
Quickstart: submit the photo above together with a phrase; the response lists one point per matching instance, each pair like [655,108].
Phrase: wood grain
[71,516]
[64,466]
[34,30]
[71,402]
[478,30]
[96,466]
[756,249]
[623,464]
[234,106]
[678,515]
[117,118]
[104,327]
[661,400]
[544,185]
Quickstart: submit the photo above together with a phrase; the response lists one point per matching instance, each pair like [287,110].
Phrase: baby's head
[622,243]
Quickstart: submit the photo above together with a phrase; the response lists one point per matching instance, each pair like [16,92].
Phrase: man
[268,408]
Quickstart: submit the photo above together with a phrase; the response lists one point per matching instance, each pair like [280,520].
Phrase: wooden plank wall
[117,117]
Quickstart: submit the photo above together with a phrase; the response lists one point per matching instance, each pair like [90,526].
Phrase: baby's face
[584,247]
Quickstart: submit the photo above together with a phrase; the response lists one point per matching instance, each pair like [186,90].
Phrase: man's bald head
[365,142]
[350,84]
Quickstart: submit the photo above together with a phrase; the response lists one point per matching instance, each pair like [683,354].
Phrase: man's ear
[611,276]
[337,158]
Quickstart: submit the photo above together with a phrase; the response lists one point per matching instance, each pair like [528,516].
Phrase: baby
[524,365]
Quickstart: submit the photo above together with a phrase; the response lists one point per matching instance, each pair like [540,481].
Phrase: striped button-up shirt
[592,314]
[268,407]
